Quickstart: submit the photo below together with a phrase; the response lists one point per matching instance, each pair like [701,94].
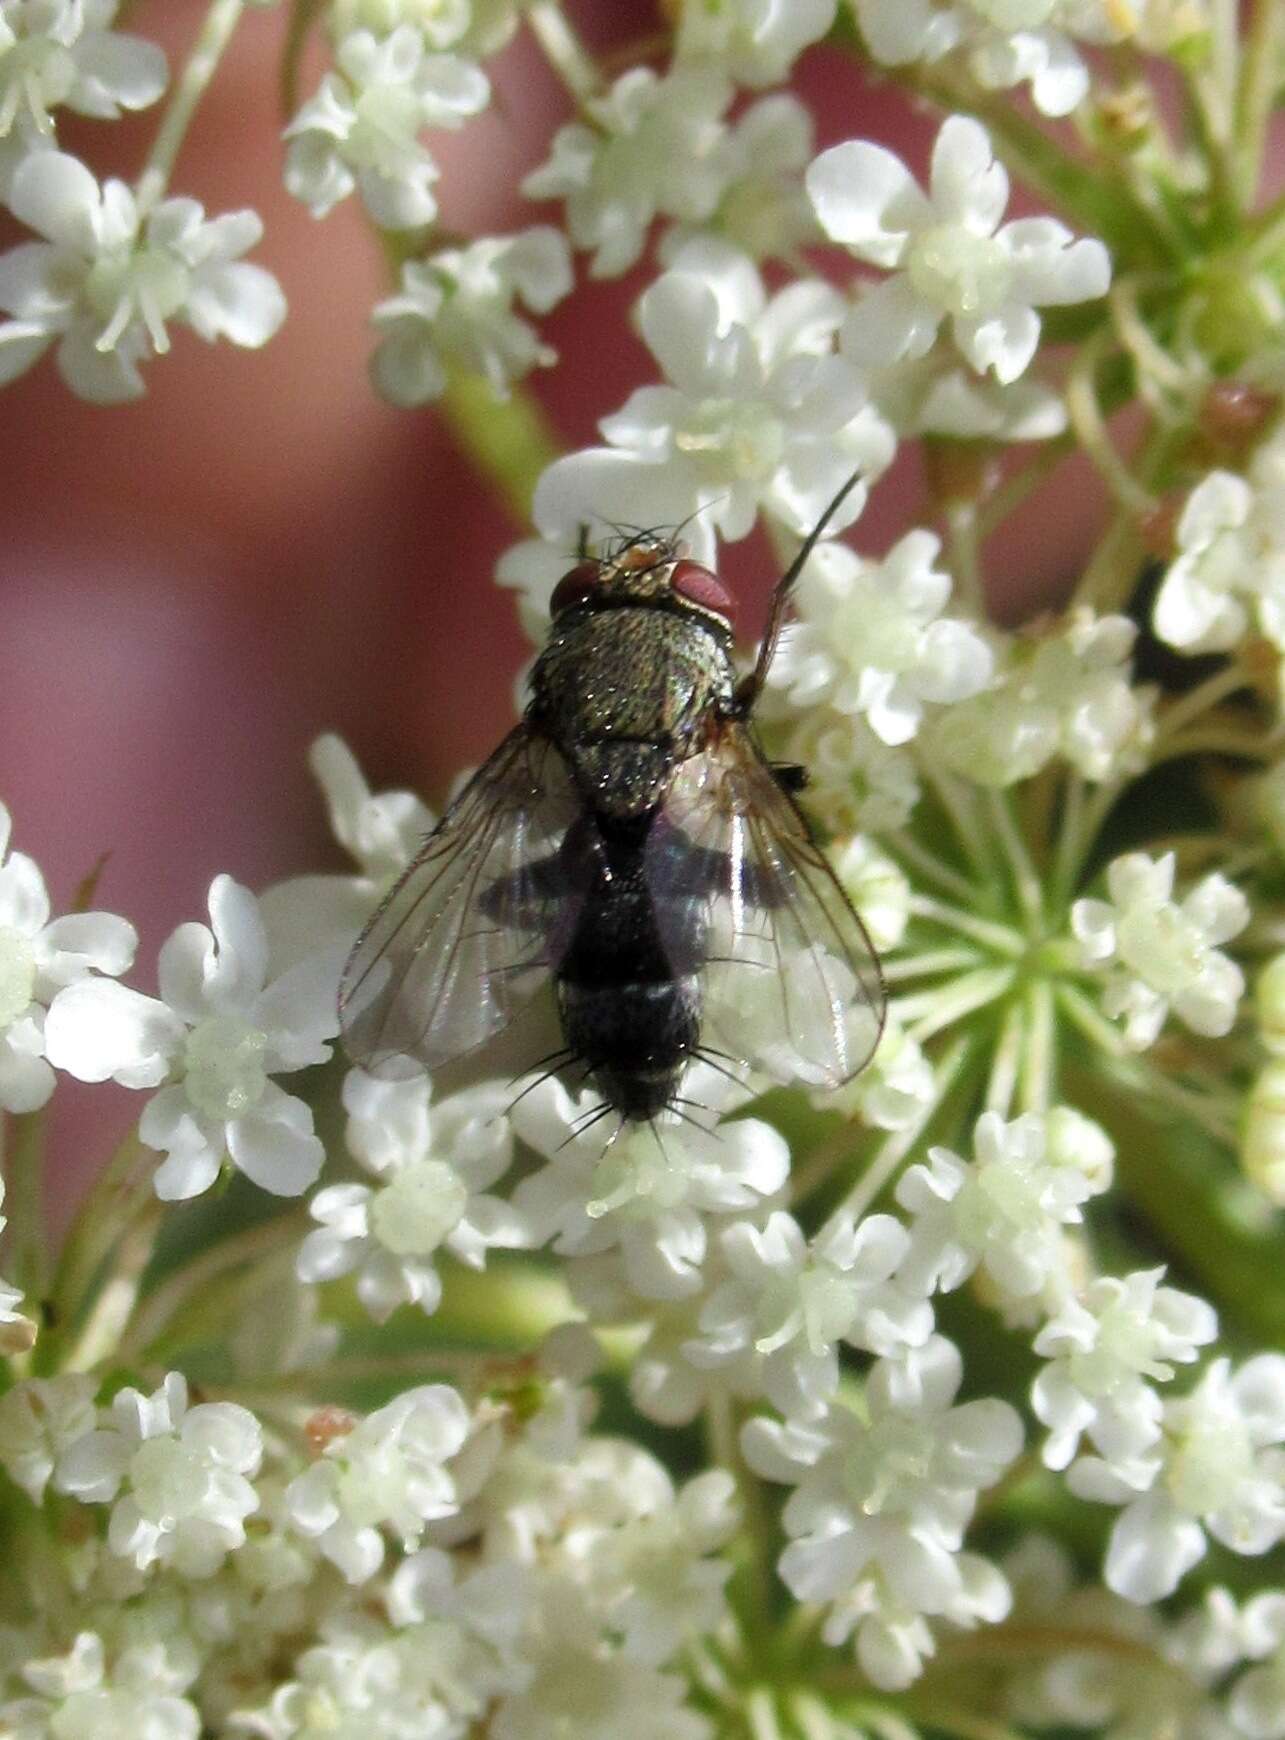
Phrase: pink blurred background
[195,585]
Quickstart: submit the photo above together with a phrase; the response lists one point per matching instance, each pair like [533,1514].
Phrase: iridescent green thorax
[627,693]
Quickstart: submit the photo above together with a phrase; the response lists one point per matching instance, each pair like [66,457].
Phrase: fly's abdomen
[635,1038]
[628,988]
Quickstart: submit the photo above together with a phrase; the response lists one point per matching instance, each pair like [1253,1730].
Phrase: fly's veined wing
[792,982]
[463,940]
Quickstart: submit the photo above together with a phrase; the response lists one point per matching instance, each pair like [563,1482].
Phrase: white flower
[648,1191]
[884,1494]
[894,1089]
[947,253]
[431,1676]
[1007,42]
[758,415]
[755,42]
[217,1034]
[1101,1348]
[381,833]
[80,1696]
[1160,953]
[39,1418]
[620,173]
[477,27]
[109,276]
[791,1301]
[389,1470]
[870,638]
[1231,565]
[1220,1467]
[1004,1212]
[38,957]
[581,1687]
[56,52]
[856,780]
[436,1165]
[763,209]
[653,1578]
[177,1478]
[360,130]
[1257,1700]
[937,395]
[1067,692]
[456,309]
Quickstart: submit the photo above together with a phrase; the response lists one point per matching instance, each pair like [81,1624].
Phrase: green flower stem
[997,938]
[1006,1060]
[931,961]
[1209,693]
[100,1336]
[903,845]
[563,50]
[22,1145]
[1087,420]
[964,553]
[119,1194]
[943,1006]
[157,1312]
[1026,880]
[215,34]
[1215,1114]
[1156,371]
[1260,80]
[510,440]
[959,805]
[1037,1082]
[511,1305]
[949,1075]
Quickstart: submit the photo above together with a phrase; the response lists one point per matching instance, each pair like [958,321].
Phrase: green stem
[881,1170]
[1037,1083]
[511,441]
[119,1194]
[1026,879]
[1006,1060]
[1214,689]
[248,1246]
[931,961]
[902,845]
[215,34]
[109,1316]
[1260,82]
[943,1006]
[22,1142]
[1085,412]
[997,938]
[563,50]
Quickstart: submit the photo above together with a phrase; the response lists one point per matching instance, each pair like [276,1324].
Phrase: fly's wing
[792,982]
[463,940]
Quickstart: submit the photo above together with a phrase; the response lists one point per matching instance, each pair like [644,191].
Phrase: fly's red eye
[702,586]
[575,586]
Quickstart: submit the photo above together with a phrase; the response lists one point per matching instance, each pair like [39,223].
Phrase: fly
[629,842]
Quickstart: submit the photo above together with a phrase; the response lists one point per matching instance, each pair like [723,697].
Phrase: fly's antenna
[749,689]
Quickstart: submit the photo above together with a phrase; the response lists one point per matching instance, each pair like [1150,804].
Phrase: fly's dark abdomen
[628,986]
[635,1038]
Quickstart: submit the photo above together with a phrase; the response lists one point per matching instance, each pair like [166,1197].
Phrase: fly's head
[650,569]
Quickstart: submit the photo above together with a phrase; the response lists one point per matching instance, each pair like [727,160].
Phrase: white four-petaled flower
[38,958]
[179,1479]
[1159,953]
[361,128]
[456,308]
[947,253]
[435,1164]
[218,1033]
[110,275]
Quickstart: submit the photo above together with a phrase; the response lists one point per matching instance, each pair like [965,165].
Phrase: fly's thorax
[627,693]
